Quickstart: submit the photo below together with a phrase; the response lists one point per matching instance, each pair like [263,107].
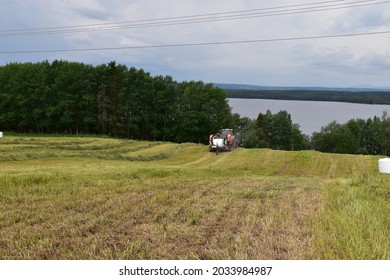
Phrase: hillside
[307,88]
[167,155]
[101,198]
[351,95]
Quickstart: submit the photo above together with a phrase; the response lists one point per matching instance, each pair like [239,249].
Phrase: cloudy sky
[272,43]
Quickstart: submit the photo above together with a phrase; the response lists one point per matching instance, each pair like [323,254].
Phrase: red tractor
[222,141]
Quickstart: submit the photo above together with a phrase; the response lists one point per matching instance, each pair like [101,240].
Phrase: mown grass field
[101,198]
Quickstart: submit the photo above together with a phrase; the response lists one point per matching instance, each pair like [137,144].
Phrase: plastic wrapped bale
[384,165]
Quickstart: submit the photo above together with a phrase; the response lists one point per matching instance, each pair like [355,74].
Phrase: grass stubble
[99,198]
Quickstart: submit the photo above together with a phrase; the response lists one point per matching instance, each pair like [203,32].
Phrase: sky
[266,43]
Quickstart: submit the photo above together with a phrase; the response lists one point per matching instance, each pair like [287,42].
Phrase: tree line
[364,97]
[357,136]
[108,99]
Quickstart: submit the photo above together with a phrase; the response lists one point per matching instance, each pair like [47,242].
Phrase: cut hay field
[102,198]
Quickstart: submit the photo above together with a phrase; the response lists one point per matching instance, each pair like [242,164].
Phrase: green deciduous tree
[357,136]
[274,131]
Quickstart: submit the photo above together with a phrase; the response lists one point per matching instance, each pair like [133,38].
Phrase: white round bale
[384,165]
[218,142]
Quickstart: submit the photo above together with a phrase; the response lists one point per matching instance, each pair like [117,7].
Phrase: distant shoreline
[361,97]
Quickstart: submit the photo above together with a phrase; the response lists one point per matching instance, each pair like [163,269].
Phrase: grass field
[101,198]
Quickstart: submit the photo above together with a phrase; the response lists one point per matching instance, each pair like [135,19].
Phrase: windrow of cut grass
[268,162]
[100,148]
[260,162]
[101,198]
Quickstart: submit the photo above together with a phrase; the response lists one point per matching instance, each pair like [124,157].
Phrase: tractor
[224,140]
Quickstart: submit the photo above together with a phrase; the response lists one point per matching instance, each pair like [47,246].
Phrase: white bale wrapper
[218,142]
[384,165]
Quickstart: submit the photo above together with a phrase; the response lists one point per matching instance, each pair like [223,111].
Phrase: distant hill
[350,95]
[279,88]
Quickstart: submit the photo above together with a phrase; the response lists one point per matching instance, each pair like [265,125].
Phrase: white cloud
[326,62]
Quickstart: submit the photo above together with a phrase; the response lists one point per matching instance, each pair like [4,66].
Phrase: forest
[63,97]
[108,99]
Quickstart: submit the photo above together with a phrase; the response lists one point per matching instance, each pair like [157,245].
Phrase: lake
[310,115]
